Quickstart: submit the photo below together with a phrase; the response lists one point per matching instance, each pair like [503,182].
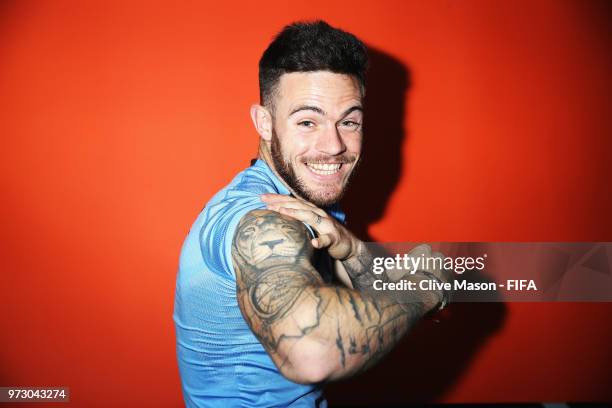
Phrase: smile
[324,169]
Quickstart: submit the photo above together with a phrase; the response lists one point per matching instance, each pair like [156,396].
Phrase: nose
[330,142]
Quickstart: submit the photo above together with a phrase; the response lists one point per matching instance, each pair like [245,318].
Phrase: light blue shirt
[221,362]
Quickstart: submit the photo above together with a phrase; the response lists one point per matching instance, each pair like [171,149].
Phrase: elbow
[309,362]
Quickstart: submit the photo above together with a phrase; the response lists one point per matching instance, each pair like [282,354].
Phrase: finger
[296,205]
[314,220]
[423,249]
[295,210]
[289,204]
[445,274]
[322,241]
[271,197]
[274,198]
[279,199]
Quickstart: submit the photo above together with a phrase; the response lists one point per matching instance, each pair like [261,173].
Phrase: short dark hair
[311,46]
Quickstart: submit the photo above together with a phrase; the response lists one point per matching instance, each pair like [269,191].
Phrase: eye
[306,123]
[289,229]
[351,124]
[248,232]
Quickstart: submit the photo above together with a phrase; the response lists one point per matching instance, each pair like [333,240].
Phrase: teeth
[324,168]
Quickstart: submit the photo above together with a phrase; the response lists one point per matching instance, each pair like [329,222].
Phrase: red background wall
[120,119]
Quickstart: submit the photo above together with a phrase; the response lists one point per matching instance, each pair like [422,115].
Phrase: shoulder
[219,219]
[264,236]
[233,206]
[254,179]
[268,220]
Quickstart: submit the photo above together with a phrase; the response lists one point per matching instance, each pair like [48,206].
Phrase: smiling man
[274,295]
[316,103]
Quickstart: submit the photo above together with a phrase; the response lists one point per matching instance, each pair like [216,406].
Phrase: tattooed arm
[312,331]
[353,259]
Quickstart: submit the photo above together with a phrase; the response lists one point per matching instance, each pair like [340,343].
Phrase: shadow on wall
[379,172]
[430,360]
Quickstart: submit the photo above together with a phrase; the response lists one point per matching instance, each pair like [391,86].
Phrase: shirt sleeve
[219,227]
[218,231]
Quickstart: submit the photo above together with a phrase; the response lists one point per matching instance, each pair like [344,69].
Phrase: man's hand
[430,269]
[341,244]
[355,257]
[423,251]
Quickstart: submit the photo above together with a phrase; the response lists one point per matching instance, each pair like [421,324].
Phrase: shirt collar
[334,210]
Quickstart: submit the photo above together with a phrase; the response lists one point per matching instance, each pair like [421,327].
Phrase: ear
[262,119]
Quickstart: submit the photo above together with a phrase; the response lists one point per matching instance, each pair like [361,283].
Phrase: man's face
[317,133]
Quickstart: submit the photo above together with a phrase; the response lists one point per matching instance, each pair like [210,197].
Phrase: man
[274,295]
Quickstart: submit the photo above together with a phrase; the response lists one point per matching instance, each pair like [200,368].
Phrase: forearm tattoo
[275,278]
[359,269]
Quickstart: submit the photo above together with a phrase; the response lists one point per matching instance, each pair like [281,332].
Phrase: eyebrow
[322,112]
[308,107]
[352,109]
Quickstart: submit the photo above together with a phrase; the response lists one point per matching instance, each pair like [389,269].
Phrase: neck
[265,155]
